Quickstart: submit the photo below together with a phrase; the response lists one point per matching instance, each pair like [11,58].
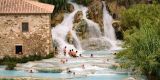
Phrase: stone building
[25,27]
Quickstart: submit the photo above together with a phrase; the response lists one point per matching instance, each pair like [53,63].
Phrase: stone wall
[36,41]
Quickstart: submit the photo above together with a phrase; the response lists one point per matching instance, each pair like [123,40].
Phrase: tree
[59,4]
[142,40]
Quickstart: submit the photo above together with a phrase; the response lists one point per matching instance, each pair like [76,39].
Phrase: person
[91,55]
[68,70]
[65,51]
[70,52]
[62,61]
[107,59]
[66,60]
[80,55]
[75,54]
[31,71]
[83,67]
[74,73]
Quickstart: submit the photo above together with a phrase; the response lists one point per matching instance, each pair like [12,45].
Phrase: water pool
[96,65]
[14,73]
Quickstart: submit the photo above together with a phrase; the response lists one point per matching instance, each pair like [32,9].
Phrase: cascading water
[60,32]
[94,29]
[109,32]
[107,22]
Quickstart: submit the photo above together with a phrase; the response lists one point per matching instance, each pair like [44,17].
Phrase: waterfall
[109,31]
[94,29]
[60,31]
[107,22]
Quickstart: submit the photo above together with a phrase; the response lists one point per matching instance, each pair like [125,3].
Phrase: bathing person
[62,61]
[66,60]
[31,71]
[65,51]
[80,55]
[69,71]
[91,55]
[83,67]
[70,52]
[75,54]
[74,73]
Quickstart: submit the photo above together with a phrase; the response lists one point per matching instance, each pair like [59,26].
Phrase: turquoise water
[15,73]
[99,75]
[103,77]
[88,52]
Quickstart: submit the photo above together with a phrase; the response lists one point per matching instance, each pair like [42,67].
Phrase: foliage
[142,35]
[10,65]
[133,17]
[59,4]
[12,61]
[83,2]
[7,79]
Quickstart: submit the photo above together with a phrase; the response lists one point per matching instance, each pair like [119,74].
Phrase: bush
[11,61]
[10,65]
[83,2]
[51,55]
[7,79]
[141,23]
[59,4]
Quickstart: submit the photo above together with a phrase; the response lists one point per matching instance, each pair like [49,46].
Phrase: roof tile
[24,7]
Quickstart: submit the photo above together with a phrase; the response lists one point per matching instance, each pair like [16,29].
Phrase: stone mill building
[25,27]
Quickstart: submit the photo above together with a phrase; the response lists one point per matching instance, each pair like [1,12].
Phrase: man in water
[83,67]
[91,55]
[69,71]
[80,55]
[75,54]
[70,52]
[65,51]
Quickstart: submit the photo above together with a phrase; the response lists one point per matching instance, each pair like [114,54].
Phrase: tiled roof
[24,7]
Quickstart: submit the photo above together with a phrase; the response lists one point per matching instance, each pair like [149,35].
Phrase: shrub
[11,61]
[142,41]
[10,65]
[59,4]
[83,2]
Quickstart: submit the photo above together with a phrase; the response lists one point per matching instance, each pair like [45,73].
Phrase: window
[18,49]
[25,27]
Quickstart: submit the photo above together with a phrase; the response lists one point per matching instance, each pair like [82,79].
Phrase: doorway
[18,49]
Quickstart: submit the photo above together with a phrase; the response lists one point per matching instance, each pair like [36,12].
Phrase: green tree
[142,40]
[59,4]
[84,2]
